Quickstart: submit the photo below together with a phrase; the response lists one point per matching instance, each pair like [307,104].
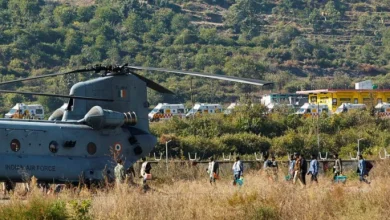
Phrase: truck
[164,111]
[348,107]
[204,108]
[23,111]
[311,109]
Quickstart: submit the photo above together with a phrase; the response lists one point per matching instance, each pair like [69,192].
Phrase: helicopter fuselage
[65,151]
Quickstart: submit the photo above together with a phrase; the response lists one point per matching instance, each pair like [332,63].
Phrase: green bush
[36,208]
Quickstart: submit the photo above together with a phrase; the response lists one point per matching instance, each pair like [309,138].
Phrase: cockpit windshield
[301,111]
[339,110]
[12,111]
[192,111]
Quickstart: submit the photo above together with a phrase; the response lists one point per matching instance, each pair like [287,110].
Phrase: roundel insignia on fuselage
[118,147]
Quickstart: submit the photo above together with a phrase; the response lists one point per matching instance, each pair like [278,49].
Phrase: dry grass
[180,197]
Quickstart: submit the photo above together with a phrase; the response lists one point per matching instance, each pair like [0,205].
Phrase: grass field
[178,196]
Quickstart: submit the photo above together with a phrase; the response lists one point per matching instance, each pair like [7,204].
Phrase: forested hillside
[300,44]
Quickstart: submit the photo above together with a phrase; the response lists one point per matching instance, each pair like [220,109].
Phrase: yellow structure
[335,97]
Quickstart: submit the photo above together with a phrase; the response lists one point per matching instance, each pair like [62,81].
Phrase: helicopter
[104,115]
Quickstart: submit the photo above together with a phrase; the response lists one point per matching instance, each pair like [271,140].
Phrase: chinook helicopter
[105,114]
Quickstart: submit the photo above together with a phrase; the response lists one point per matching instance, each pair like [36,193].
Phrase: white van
[166,111]
[23,111]
[231,108]
[204,108]
[311,109]
[382,110]
[347,107]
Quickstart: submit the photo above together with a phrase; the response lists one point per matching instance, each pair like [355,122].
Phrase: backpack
[369,166]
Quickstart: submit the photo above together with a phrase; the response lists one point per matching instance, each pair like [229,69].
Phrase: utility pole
[318,126]
[166,153]
[192,100]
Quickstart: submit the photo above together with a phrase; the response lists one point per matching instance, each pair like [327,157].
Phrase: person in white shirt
[119,172]
[145,169]
[238,169]
[213,170]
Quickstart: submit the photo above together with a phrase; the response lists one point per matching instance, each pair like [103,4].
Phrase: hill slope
[297,44]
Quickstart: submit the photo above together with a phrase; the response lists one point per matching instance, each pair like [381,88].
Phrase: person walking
[271,168]
[119,172]
[145,171]
[238,169]
[130,175]
[313,169]
[291,165]
[303,169]
[298,170]
[362,171]
[213,170]
[337,168]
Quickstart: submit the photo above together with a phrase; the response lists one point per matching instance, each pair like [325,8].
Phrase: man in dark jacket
[303,169]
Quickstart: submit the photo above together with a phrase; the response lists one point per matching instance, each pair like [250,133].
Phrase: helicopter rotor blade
[213,76]
[45,76]
[55,95]
[153,85]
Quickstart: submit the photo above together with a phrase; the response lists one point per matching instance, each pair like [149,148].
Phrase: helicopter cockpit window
[91,148]
[15,145]
[53,147]
[12,111]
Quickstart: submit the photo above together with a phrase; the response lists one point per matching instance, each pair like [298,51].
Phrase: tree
[85,14]
[25,10]
[244,16]
[185,37]
[180,22]
[73,42]
[367,53]
[135,24]
[244,66]
[11,99]
[209,35]
[315,19]
[107,14]
[50,103]
[64,15]
[331,13]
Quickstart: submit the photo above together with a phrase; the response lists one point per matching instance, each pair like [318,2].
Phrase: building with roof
[360,95]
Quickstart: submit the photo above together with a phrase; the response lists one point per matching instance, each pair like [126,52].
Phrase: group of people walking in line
[298,169]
